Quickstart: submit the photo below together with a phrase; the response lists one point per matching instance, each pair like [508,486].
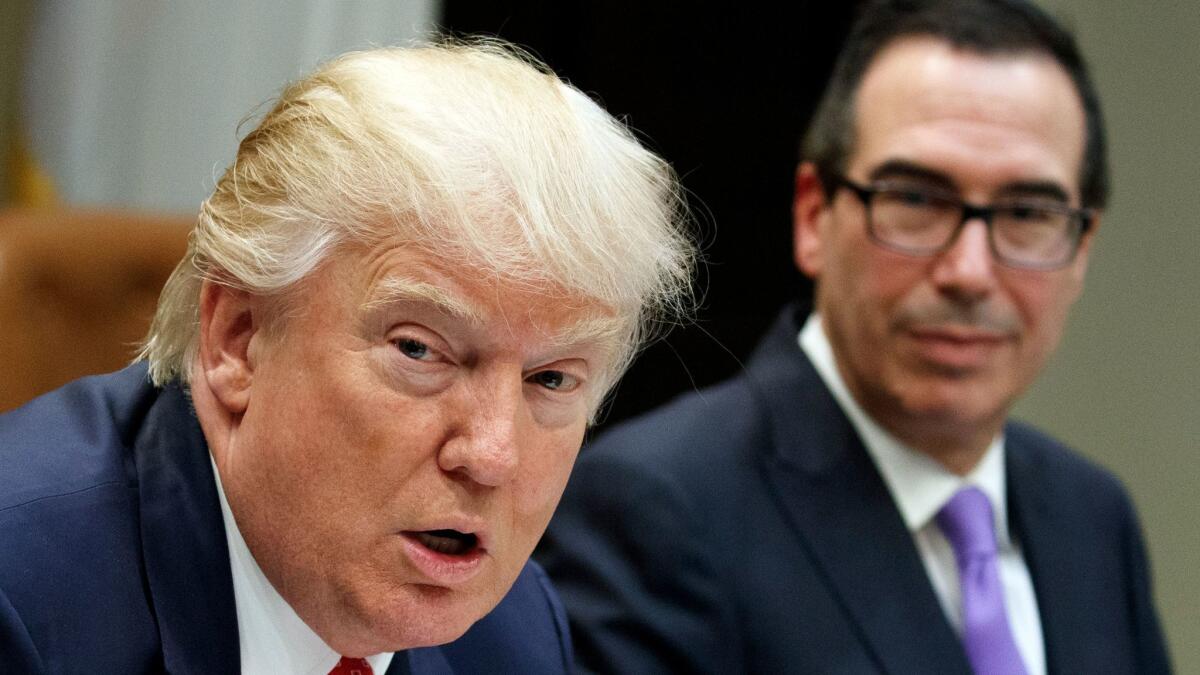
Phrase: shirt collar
[919,485]
[272,637]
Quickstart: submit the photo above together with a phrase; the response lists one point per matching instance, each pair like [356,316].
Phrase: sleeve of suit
[640,587]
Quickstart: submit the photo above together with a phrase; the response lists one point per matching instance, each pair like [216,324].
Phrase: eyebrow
[1035,188]
[898,168]
[597,330]
[400,289]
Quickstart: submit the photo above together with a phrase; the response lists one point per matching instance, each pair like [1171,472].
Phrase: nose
[483,445]
[966,270]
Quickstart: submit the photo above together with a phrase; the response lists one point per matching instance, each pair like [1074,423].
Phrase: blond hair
[475,152]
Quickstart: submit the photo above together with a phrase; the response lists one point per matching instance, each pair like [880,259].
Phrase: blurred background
[117,116]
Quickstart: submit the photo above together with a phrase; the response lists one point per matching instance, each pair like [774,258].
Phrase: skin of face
[397,397]
[936,349]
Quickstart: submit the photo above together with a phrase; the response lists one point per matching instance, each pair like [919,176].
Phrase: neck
[956,440]
[957,445]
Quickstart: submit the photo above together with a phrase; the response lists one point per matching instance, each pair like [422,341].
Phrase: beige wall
[133,104]
[1125,386]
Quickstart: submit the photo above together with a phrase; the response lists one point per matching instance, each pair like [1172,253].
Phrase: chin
[948,402]
[430,633]
[428,616]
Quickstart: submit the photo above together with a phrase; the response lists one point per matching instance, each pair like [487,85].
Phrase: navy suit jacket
[744,529]
[113,556]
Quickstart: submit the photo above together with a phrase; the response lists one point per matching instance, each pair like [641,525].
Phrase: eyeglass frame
[866,193]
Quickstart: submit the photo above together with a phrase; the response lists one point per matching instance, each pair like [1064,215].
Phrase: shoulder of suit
[73,439]
[1067,469]
[692,428]
[726,422]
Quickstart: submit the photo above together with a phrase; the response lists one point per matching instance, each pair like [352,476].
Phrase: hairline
[1094,182]
[1031,52]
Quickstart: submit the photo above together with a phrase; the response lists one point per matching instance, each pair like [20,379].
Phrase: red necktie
[349,666]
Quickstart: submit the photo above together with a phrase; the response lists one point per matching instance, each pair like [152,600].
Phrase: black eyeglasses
[1024,233]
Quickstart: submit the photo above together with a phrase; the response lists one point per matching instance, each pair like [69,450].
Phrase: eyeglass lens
[1028,235]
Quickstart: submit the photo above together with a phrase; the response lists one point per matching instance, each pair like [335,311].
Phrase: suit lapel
[183,540]
[1039,529]
[423,661]
[824,481]
[400,665]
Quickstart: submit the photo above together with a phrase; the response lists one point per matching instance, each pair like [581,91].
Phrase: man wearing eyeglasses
[857,500]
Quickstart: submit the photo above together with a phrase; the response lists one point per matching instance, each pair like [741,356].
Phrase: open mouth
[446,558]
[447,542]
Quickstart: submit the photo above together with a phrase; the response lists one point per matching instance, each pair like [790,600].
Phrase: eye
[554,380]
[413,349]
[1030,212]
[913,197]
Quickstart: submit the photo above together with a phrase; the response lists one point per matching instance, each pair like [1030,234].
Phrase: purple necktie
[966,520]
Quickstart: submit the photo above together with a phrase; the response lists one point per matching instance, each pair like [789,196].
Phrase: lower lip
[442,569]
[956,353]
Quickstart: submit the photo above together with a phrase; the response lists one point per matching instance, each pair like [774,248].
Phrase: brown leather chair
[77,291]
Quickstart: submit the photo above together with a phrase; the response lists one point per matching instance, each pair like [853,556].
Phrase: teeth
[449,542]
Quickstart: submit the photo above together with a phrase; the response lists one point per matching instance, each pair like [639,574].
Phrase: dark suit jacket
[113,555]
[744,529]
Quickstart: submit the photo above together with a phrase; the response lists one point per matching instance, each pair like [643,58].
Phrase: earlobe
[808,209]
[229,320]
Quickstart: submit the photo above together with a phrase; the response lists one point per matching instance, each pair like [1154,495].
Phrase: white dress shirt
[272,637]
[921,486]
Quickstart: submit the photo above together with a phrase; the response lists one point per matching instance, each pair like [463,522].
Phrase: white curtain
[136,103]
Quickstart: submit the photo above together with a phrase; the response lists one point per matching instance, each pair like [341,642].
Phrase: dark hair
[981,26]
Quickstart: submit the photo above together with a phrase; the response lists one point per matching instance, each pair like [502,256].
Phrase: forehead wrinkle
[590,330]
[401,289]
[559,318]
[581,328]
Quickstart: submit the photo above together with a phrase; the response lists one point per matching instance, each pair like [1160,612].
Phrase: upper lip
[955,333]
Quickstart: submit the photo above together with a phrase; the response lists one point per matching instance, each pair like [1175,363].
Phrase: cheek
[315,416]
[883,282]
[329,429]
[1043,304]
[887,285]
[544,476]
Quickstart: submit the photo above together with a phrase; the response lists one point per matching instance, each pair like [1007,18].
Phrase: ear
[229,321]
[809,211]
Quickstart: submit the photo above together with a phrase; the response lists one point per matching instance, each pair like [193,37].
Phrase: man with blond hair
[362,393]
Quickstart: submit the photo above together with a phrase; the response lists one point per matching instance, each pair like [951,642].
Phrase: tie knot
[966,520]
[351,666]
